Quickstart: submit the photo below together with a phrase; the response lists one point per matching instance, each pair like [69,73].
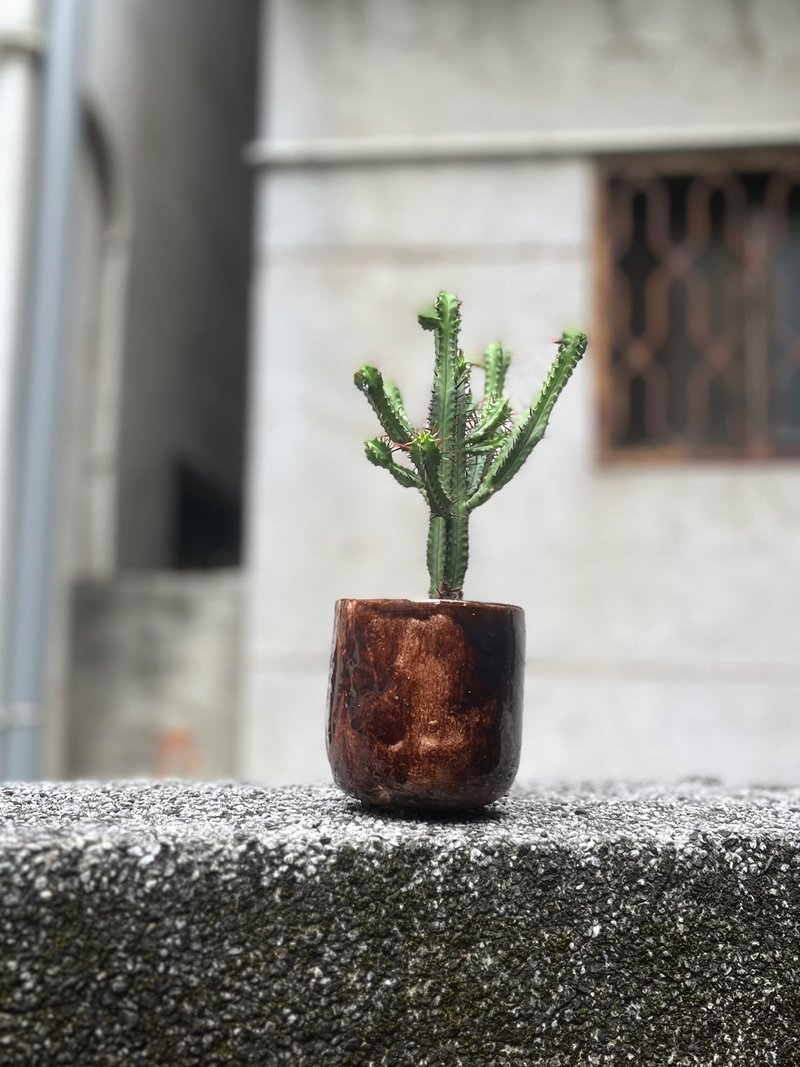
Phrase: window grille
[699,306]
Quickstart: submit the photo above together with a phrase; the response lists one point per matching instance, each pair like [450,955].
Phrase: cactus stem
[469,450]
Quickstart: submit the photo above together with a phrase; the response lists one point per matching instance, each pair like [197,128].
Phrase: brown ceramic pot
[425,701]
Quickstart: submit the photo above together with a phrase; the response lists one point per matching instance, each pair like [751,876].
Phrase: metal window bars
[699,306]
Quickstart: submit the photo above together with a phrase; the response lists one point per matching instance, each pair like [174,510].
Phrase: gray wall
[365,68]
[157,378]
[155,680]
[661,602]
[175,83]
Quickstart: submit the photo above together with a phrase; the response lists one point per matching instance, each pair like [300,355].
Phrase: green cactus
[469,449]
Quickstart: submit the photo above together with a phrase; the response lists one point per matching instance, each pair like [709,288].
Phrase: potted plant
[425,697]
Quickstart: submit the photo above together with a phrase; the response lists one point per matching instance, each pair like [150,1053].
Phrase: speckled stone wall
[220,924]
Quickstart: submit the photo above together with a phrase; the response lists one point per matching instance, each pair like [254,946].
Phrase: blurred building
[144,592]
[635,168]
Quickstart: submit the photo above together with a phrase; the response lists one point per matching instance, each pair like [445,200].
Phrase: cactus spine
[469,449]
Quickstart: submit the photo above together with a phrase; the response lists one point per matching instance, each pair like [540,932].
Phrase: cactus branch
[527,433]
[496,361]
[468,450]
[427,458]
[386,403]
[494,414]
[379,453]
[444,320]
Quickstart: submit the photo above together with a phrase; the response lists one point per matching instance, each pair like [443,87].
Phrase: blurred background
[213,211]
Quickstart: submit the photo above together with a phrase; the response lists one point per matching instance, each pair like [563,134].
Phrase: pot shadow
[492,813]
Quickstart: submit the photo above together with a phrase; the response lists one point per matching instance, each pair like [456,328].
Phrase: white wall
[660,602]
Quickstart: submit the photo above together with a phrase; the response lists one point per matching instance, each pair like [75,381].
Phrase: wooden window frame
[665,164]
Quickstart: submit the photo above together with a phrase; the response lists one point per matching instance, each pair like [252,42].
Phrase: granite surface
[182,923]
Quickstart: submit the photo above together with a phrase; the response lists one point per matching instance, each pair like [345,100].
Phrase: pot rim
[429,600]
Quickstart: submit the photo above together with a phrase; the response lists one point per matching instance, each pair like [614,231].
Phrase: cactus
[469,449]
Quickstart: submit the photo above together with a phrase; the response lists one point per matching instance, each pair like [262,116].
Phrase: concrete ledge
[219,924]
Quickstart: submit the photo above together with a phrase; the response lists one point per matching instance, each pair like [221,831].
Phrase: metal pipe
[21,47]
[561,143]
[34,543]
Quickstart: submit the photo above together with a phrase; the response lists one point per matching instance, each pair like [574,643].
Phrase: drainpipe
[21,49]
[32,546]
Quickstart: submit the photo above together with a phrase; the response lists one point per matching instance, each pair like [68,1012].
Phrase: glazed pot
[425,701]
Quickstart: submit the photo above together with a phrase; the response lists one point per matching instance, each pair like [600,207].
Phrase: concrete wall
[174,82]
[165,923]
[157,376]
[372,67]
[660,602]
[154,686]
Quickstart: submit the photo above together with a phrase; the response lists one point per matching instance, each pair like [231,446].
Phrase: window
[699,323]
[208,521]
